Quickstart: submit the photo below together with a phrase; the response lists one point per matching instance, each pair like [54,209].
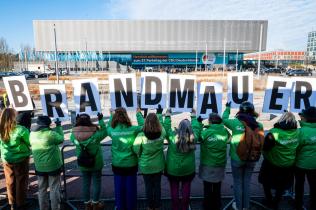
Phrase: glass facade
[311,45]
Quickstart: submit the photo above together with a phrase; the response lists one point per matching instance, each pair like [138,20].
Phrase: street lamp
[56,54]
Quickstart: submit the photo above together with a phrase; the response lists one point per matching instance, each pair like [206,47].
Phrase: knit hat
[309,114]
[41,123]
[214,118]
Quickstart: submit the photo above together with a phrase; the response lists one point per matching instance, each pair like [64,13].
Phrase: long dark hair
[84,120]
[152,124]
[120,117]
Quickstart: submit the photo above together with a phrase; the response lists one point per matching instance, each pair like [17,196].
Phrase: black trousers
[299,187]
[212,196]
[153,189]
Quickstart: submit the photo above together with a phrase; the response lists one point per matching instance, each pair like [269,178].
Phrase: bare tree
[6,56]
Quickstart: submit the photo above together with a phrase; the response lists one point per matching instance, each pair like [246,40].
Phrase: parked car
[298,72]
[3,74]
[29,74]
[273,70]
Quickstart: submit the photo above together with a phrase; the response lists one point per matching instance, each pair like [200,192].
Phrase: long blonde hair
[185,138]
[7,123]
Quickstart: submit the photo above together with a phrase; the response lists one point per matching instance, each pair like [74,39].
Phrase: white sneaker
[234,206]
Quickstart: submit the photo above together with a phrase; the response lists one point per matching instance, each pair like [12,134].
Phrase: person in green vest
[306,158]
[214,138]
[124,160]
[148,146]
[15,154]
[180,163]
[87,136]
[48,161]
[279,151]
[241,170]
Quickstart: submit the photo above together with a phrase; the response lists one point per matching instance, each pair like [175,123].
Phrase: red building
[298,56]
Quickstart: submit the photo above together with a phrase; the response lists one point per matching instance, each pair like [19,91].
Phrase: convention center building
[141,44]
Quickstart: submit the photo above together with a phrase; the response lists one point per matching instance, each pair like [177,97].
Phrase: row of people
[287,151]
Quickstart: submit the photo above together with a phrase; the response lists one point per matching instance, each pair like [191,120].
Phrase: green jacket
[18,147]
[214,139]
[179,164]
[90,137]
[306,151]
[284,151]
[45,149]
[150,154]
[123,138]
[237,129]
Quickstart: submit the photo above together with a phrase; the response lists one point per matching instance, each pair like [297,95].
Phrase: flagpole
[56,59]
[26,61]
[260,45]
[206,57]
[224,56]
[86,55]
[237,60]
[196,57]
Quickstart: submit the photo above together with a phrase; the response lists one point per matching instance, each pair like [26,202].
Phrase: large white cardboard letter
[54,101]
[123,91]
[277,95]
[181,92]
[18,92]
[209,98]
[86,96]
[303,94]
[239,88]
[153,90]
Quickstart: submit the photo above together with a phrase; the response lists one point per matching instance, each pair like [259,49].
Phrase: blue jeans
[242,176]
[125,192]
[95,176]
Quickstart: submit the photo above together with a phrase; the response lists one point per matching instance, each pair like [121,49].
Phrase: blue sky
[289,20]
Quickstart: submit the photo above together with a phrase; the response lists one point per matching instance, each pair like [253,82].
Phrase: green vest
[237,129]
[177,163]
[150,154]
[45,149]
[18,146]
[306,152]
[213,146]
[284,152]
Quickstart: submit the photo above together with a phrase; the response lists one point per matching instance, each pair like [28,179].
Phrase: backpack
[251,143]
[85,158]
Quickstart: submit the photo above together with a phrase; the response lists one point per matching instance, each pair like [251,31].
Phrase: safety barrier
[108,173]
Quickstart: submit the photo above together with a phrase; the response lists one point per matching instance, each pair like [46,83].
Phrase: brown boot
[88,206]
[98,206]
